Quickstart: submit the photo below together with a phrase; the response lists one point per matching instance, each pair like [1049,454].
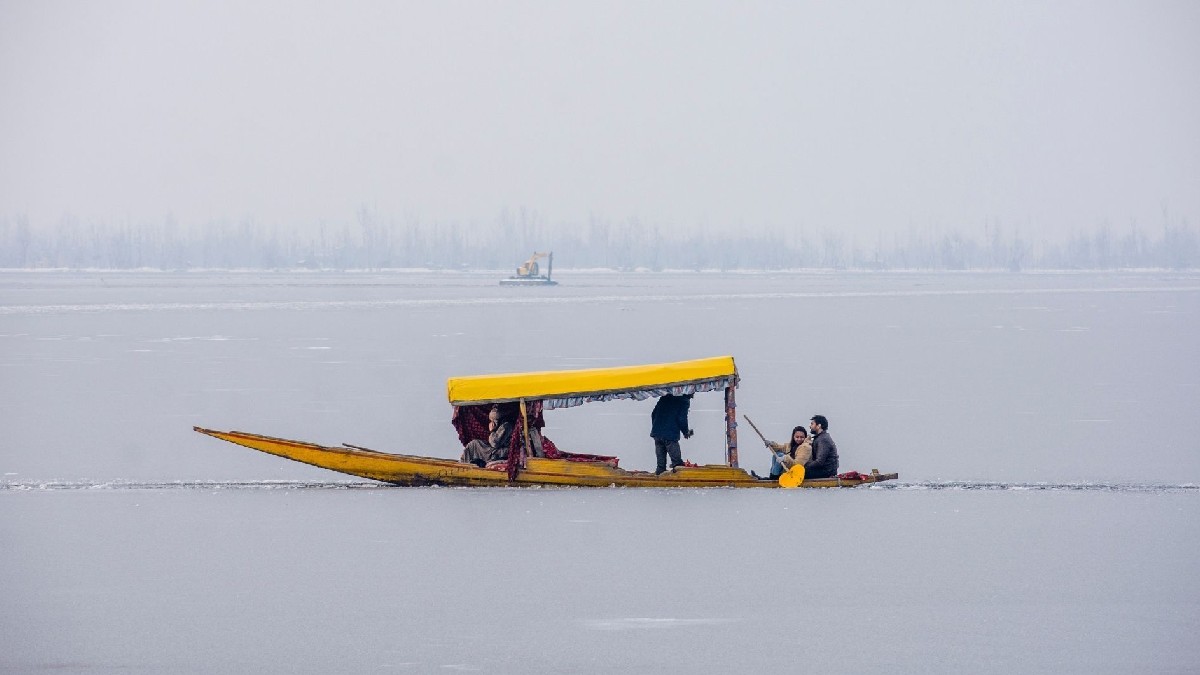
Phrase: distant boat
[529,274]
[534,460]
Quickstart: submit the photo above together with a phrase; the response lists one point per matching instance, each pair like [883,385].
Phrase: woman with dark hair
[785,456]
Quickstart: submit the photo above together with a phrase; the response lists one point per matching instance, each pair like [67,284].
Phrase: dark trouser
[478,452]
[662,449]
[820,472]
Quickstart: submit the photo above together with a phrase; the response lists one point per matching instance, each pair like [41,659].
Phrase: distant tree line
[372,242]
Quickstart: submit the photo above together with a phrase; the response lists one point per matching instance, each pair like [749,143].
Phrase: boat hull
[410,470]
[528,281]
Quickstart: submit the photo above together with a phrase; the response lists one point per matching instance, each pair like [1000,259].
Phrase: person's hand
[688,433]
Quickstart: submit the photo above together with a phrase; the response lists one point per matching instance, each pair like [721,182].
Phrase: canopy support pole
[731,455]
[525,430]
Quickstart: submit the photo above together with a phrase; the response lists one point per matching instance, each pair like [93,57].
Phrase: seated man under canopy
[499,436]
[495,432]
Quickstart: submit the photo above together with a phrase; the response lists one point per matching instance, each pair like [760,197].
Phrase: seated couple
[818,454]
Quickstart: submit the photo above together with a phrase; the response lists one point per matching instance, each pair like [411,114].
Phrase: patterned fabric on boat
[639,394]
[471,422]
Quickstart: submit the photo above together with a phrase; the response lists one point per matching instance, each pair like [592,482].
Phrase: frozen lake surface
[1044,428]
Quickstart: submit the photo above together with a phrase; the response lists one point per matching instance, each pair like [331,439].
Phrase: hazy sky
[861,117]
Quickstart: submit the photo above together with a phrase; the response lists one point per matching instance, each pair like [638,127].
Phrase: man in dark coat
[824,462]
[668,420]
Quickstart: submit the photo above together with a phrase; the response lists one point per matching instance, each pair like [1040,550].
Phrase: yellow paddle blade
[793,477]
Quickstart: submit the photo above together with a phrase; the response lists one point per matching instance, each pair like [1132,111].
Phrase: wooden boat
[531,394]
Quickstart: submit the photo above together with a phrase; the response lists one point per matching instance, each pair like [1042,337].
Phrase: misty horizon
[374,241]
[865,120]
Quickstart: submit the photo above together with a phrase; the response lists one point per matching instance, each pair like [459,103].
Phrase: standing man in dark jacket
[824,462]
[668,420]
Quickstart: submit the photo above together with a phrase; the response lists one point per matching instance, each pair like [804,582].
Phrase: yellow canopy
[563,388]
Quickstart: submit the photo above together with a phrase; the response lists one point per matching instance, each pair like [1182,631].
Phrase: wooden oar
[755,427]
[791,478]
